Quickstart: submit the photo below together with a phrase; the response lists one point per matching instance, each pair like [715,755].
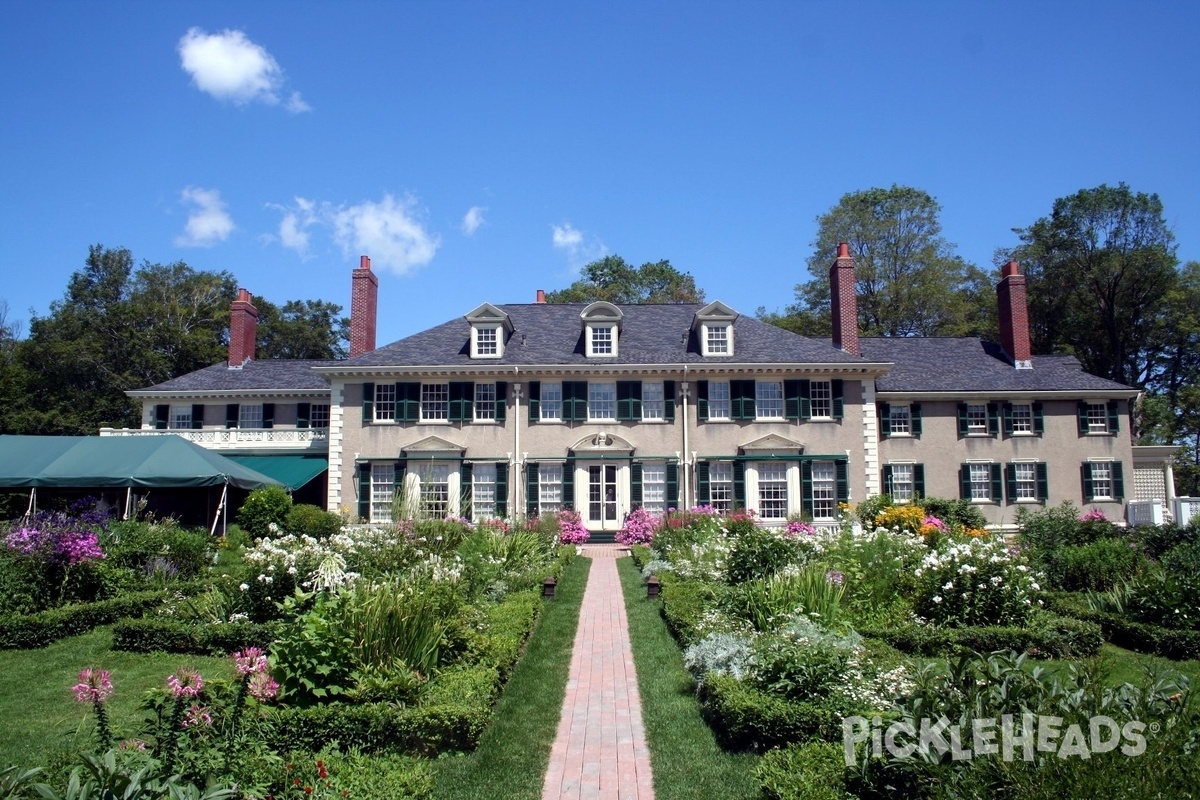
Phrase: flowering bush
[640,525]
[570,528]
[907,518]
[976,582]
[799,528]
[1095,515]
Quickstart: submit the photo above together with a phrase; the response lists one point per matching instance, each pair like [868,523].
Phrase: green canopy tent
[118,462]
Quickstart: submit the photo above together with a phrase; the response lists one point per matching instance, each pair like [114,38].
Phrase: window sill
[484,422]
[382,422]
[433,422]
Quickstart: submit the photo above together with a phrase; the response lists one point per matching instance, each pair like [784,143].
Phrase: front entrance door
[602,498]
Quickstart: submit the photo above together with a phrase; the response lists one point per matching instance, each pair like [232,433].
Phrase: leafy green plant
[1098,565]
[810,591]
[761,552]
[265,507]
[312,521]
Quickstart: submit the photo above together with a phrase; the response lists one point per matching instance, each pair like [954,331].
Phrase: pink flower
[263,687]
[1095,515]
[935,522]
[185,683]
[250,661]
[197,717]
[95,685]
[798,528]
[132,744]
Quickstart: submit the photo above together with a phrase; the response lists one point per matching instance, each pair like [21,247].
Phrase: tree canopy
[616,281]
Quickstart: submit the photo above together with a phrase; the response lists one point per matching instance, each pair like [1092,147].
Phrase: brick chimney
[243,329]
[1014,316]
[845,301]
[541,296]
[364,301]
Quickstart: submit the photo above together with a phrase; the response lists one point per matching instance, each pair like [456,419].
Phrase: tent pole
[220,515]
[128,501]
[32,502]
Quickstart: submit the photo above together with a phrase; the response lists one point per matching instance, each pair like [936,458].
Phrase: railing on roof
[238,438]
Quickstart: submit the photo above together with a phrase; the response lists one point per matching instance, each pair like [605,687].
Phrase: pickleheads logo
[1008,736]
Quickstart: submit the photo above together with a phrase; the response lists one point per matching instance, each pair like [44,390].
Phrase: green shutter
[501,401]
[791,399]
[635,484]
[268,415]
[888,486]
[461,406]
[806,488]
[466,490]
[408,402]
[568,483]
[502,490]
[885,421]
[197,416]
[839,397]
[841,472]
[703,486]
[805,395]
[629,400]
[914,413]
[963,420]
[669,401]
[1081,414]
[993,419]
[1008,419]
[1118,481]
[531,488]
[364,492]
[702,401]
[997,491]
[919,480]
[964,481]
[1114,416]
[1010,483]
[1089,491]
[162,417]
[231,415]
[303,410]
[368,403]
[739,485]
[535,401]
[574,394]
[1039,419]
[1043,483]
[672,485]
[399,489]
[742,398]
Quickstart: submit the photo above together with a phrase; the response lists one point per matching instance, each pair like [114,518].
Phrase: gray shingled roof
[550,333]
[284,375]
[974,365]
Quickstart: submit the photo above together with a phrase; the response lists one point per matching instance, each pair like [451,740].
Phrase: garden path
[600,751]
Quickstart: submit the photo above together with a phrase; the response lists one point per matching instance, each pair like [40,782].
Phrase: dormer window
[602,329]
[489,329]
[713,326]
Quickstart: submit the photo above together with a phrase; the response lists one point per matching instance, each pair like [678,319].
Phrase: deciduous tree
[615,280]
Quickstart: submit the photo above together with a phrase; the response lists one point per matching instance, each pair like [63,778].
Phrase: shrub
[811,591]
[148,635]
[977,582]
[39,630]
[719,654]
[312,521]
[263,508]
[747,718]
[1098,565]
[761,552]
[639,527]
[150,548]
[686,603]
[1156,540]
[810,771]
[570,528]
[958,514]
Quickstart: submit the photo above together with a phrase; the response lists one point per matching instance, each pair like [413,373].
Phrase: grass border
[515,749]
[685,758]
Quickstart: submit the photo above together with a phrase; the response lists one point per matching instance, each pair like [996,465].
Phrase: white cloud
[566,237]
[580,249]
[295,225]
[472,220]
[208,223]
[229,66]
[389,231]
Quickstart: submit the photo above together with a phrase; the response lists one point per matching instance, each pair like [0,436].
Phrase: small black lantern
[652,587]
[548,588]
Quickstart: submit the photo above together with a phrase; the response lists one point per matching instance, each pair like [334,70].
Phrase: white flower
[937,599]
[947,586]
[244,587]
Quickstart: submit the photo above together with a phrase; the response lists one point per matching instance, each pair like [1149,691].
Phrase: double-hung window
[385,402]
[977,419]
[768,399]
[900,418]
[821,399]
[486,342]
[718,400]
[602,401]
[435,490]
[383,491]
[1025,481]
[483,491]
[250,415]
[716,340]
[772,490]
[435,402]
[601,340]
[824,490]
[1022,418]
[720,482]
[1102,480]
[485,402]
[981,482]
[550,488]
[1097,418]
[550,405]
[654,488]
[652,400]
[902,482]
[181,417]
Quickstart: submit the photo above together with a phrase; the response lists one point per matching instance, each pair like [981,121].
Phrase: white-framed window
[768,399]
[250,415]
[716,340]
[773,490]
[483,491]
[1102,479]
[720,485]
[486,341]
[824,490]
[821,395]
[602,340]
[551,402]
[181,417]
[977,419]
[1025,478]
[485,402]
[900,418]
[902,482]
[1022,418]
[654,488]
[718,400]
[318,415]
[434,480]
[981,482]
[1097,418]
[385,402]
[652,400]
[602,401]
[383,491]
[435,401]
[550,484]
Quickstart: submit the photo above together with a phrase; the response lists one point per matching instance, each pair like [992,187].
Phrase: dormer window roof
[601,328]
[490,330]
[714,327]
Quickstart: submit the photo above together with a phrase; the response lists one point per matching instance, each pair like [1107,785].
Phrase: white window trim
[977,431]
[989,500]
[377,404]
[499,331]
[728,401]
[833,482]
[912,480]
[543,483]
[180,413]
[828,383]
[483,469]
[593,403]
[542,418]
[1108,462]
[661,400]
[705,327]
[424,420]
[1025,462]
[1014,404]
[1102,427]
[386,513]
[415,473]
[793,491]
[723,465]
[242,409]
[759,399]
[907,409]
[475,418]
[614,331]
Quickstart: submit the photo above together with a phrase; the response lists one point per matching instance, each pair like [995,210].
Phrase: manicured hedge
[746,718]
[1051,637]
[641,555]
[508,625]
[1143,637]
[45,627]
[809,771]
[148,635]
[685,602]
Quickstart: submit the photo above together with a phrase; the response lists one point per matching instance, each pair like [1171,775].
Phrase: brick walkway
[600,751]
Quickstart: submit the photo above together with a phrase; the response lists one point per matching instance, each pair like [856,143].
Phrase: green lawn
[41,718]
[684,756]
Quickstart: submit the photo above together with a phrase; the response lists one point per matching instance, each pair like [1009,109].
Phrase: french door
[604,497]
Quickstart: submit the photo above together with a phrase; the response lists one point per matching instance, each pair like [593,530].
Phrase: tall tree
[1099,270]
[910,282]
[301,329]
[615,280]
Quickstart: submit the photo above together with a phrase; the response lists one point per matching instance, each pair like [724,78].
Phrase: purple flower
[185,683]
[263,687]
[250,661]
[571,529]
[95,685]
[197,717]
[835,577]
[797,528]
[640,526]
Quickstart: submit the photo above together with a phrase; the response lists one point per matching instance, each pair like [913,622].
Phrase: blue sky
[479,151]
